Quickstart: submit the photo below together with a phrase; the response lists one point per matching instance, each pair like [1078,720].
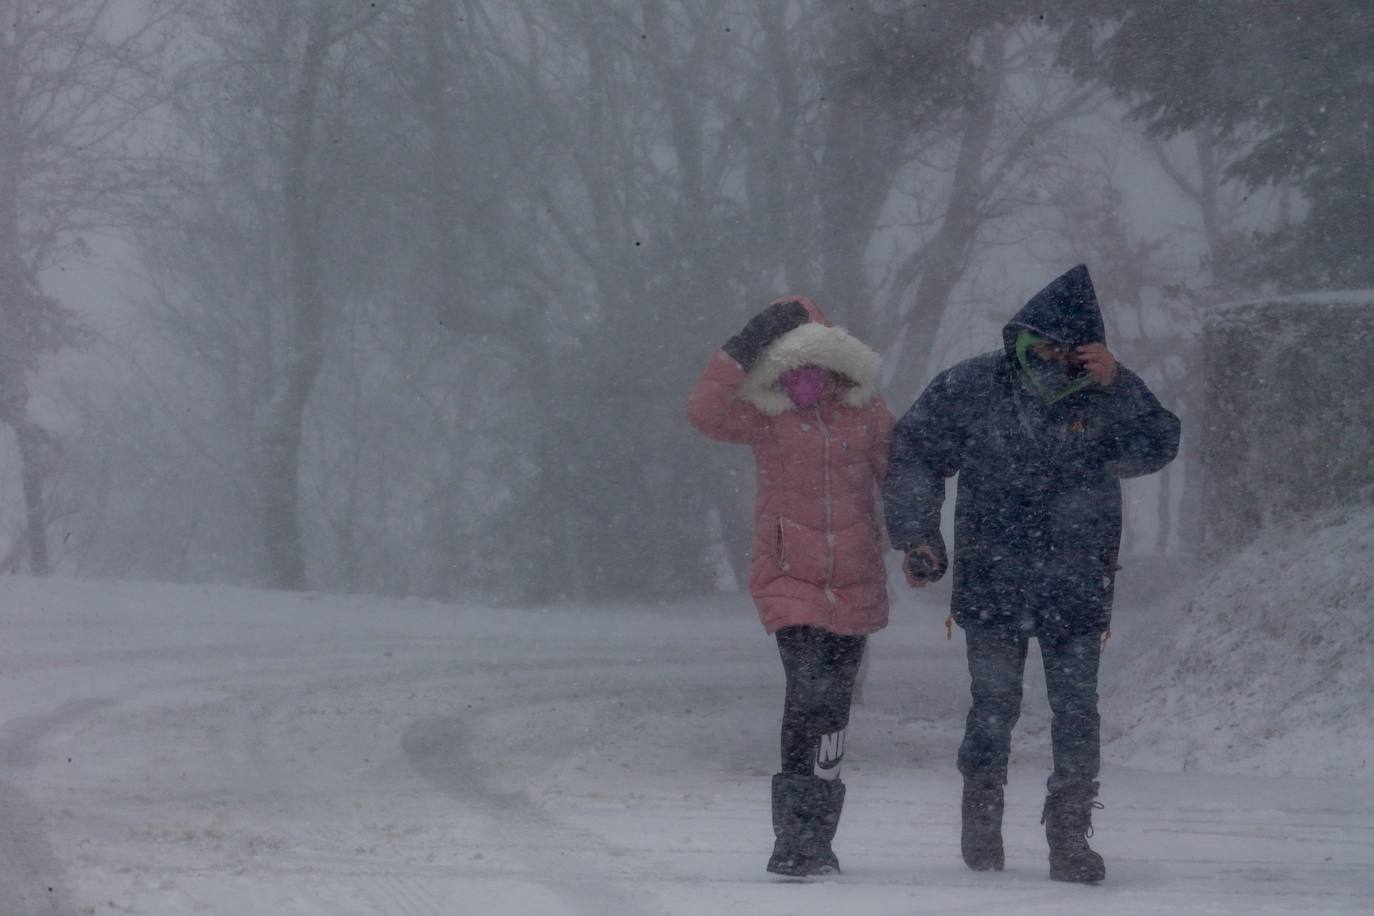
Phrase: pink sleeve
[714,408]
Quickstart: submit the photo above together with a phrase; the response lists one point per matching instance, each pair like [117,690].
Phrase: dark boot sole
[985,866]
[1077,877]
[803,866]
[801,874]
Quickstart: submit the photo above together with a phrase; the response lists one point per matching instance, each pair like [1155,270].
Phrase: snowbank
[1264,665]
[1323,298]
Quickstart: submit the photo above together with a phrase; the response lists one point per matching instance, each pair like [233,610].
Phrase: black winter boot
[981,838]
[806,813]
[1068,824]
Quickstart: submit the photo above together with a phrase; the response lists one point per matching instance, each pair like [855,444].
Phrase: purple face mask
[805,385]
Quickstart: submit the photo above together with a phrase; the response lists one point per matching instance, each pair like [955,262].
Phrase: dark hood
[1065,311]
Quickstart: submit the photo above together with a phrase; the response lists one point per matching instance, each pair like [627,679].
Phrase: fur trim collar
[812,344]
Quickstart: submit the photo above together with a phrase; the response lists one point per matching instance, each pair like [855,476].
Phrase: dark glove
[767,326]
[924,564]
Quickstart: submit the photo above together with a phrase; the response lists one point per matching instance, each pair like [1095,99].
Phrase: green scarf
[1025,340]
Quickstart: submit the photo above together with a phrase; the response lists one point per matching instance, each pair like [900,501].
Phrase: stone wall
[1289,423]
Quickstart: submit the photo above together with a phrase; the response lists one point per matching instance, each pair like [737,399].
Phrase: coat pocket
[779,546]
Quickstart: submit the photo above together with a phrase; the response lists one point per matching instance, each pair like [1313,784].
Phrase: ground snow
[169,751]
[1265,664]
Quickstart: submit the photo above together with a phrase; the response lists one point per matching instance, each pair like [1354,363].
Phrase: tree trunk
[860,159]
[33,441]
[283,430]
[775,159]
[941,264]
[35,449]
[446,254]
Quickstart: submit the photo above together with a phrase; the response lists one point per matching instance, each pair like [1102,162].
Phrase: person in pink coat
[802,394]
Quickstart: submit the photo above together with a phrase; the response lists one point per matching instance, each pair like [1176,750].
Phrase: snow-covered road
[188,750]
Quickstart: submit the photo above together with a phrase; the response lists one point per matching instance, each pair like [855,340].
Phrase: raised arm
[1141,435]
[714,407]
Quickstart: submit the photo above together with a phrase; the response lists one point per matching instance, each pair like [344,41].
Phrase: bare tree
[1011,126]
[1200,165]
[451,268]
[627,177]
[262,112]
[73,85]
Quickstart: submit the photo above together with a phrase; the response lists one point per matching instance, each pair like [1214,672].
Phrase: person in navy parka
[1039,432]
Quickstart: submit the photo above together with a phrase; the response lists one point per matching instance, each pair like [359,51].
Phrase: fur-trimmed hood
[816,343]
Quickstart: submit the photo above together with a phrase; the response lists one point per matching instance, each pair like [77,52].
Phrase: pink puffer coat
[818,549]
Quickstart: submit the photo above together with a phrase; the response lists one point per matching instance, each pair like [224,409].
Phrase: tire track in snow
[403,896]
[566,859]
[593,874]
[32,880]
[250,710]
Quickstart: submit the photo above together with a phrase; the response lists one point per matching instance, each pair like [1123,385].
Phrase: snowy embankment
[180,750]
[1264,664]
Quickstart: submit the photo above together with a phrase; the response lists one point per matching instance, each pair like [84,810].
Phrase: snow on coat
[817,554]
[1037,521]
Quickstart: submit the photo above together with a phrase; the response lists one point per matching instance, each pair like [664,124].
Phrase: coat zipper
[829,519]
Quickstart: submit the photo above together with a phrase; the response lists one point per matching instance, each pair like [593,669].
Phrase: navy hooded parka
[1038,512]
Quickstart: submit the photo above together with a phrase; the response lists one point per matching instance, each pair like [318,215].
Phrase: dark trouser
[821,667]
[996,664]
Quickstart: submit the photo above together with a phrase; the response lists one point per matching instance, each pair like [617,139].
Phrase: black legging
[821,668]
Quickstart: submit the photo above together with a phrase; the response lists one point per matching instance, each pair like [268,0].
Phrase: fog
[406,298]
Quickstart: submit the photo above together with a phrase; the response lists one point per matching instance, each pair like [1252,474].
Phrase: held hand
[921,567]
[1099,362]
